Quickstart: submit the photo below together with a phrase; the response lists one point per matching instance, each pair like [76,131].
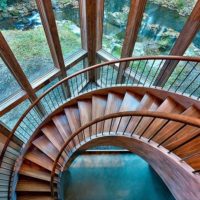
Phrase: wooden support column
[48,20]
[135,17]
[185,38]
[6,132]
[13,65]
[91,18]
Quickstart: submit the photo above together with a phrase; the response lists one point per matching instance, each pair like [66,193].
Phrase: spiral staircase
[161,125]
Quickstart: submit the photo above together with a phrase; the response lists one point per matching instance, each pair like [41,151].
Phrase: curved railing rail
[139,71]
[127,123]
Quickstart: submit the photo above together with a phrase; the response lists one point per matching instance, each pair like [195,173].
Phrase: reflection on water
[113,176]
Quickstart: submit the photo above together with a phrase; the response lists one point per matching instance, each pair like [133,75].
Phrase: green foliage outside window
[3,4]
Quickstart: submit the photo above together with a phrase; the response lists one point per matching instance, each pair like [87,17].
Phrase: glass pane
[194,48]
[46,87]
[8,84]
[11,118]
[79,66]
[115,20]
[68,24]
[22,28]
[161,25]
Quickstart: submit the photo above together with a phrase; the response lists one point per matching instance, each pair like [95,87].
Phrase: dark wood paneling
[185,38]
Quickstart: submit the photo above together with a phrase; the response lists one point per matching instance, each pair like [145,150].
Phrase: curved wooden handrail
[109,63]
[179,58]
[158,115]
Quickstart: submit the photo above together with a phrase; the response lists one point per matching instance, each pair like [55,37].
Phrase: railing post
[91,20]
[48,20]
[185,38]
[135,16]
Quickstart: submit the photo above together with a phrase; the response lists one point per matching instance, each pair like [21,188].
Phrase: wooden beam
[185,38]
[83,23]
[20,96]
[91,18]
[13,65]
[48,20]
[135,17]
[6,132]
[100,17]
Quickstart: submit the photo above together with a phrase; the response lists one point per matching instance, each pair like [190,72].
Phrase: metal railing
[139,71]
[118,124]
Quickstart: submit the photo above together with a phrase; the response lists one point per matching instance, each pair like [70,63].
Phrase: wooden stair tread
[129,103]
[52,133]
[3,140]
[113,105]
[114,102]
[35,172]
[194,162]
[34,197]
[46,147]
[168,106]
[85,111]
[33,186]
[62,125]
[188,149]
[172,127]
[98,106]
[148,103]
[40,159]
[182,134]
[98,109]
[73,117]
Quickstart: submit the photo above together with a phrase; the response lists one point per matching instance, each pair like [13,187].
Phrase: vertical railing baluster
[130,118]
[135,76]
[107,76]
[110,126]
[118,124]
[136,126]
[149,73]
[143,71]
[156,74]
[183,81]
[191,83]
[178,75]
